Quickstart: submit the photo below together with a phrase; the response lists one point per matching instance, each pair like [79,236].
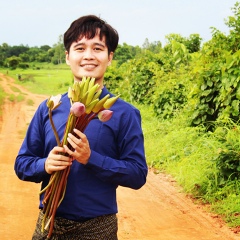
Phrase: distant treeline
[21,56]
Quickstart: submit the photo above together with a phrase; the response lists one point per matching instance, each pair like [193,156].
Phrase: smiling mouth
[88,66]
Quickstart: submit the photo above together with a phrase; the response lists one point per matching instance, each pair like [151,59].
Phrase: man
[105,156]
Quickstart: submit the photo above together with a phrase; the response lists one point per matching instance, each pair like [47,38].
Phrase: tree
[123,53]
[17,50]
[3,53]
[59,55]
[233,22]
[192,43]
[13,62]
[146,44]
[45,48]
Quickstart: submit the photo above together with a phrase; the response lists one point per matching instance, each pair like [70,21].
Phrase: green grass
[30,102]
[190,156]
[44,79]
[2,96]
[16,98]
[15,89]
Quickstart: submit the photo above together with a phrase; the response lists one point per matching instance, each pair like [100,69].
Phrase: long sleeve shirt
[117,158]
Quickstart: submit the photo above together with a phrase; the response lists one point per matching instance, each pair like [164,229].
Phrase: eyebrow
[95,44]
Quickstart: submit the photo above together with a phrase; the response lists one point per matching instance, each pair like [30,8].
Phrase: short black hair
[88,26]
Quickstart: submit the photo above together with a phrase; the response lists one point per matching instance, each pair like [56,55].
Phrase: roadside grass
[189,154]
[2,97]
[16,98]
[30,102]
[43,78]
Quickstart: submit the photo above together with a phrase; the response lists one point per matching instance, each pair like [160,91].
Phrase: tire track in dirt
[158,211]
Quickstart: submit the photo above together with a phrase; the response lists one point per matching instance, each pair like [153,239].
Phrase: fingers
[81,149]
[81,135]
[77,142]
[56,160]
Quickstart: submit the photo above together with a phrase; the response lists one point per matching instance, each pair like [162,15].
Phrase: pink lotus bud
[105,115]
[77,109]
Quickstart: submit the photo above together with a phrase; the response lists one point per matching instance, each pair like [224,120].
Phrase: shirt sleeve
[130,170]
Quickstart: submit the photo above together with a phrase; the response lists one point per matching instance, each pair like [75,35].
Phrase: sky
[41,22]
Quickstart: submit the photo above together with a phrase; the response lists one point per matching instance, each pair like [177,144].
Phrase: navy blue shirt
[117,158]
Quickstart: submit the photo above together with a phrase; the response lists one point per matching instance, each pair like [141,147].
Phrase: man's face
[89,58]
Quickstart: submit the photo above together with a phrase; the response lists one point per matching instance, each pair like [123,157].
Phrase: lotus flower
[77,109]
[54,101]
[105,115]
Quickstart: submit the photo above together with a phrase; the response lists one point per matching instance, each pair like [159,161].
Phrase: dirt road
[158,211]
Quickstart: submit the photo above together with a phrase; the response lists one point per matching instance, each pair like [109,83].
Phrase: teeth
[89,66]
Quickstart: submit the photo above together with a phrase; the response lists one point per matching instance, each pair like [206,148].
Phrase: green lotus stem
[49,184]
[53,127]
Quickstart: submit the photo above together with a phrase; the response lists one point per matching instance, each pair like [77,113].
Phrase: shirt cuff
[40,168]
[96,160]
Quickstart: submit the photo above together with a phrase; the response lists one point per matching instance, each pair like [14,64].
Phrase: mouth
[88,67]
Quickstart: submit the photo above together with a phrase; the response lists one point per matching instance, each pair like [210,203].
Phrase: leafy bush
[228,161]
[141,78]
[218,90]
[170,100]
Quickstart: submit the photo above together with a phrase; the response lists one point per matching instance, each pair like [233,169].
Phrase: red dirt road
[158,211]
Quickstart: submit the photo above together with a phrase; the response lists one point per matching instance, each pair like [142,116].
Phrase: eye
[80,49]
[97,49]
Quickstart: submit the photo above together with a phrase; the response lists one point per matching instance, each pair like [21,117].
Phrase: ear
[67,57]
[110,58]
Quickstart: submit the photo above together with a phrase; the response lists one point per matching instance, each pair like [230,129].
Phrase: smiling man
[89,57]
[107,155]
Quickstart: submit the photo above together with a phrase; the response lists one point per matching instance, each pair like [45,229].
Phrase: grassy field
[43,78]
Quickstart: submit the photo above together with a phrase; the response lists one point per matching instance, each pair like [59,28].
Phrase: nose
[88,54]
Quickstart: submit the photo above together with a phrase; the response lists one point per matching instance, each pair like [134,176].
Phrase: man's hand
[57,161]
[80,145]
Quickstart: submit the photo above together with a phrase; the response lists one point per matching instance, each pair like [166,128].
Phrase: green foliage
[13,62]
[217,92]
[229,154]
[142,79]
[192,43]
[2,96]
[21,56]
[233,22]
[113,79]
[170,100]
[125,52]
[154,47]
